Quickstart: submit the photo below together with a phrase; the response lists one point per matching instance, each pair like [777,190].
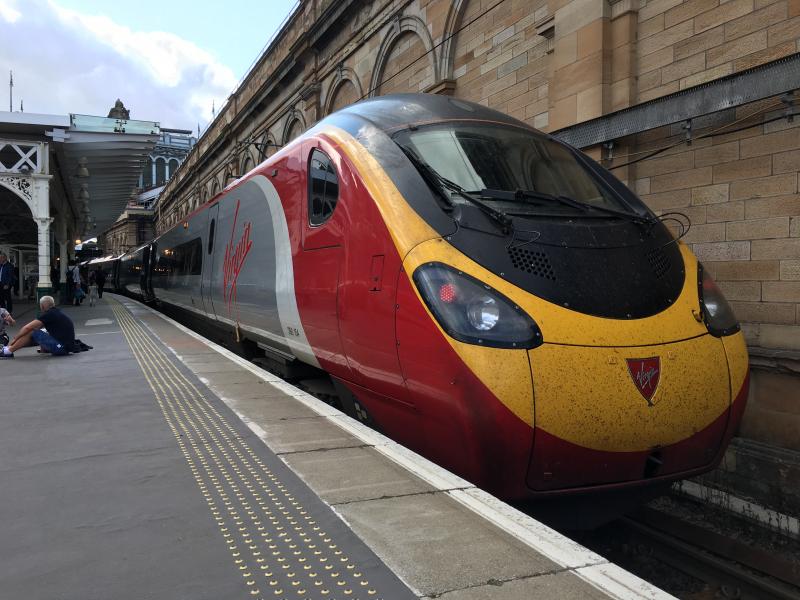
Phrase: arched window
[294,129]
[323,188]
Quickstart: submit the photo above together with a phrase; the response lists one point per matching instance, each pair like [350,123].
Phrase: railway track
[729,568]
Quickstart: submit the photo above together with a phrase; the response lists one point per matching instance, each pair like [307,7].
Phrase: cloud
[68,62]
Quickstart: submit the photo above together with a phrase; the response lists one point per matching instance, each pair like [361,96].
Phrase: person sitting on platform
[5,319]
[59,338]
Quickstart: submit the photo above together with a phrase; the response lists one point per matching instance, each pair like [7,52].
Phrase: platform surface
[158,465]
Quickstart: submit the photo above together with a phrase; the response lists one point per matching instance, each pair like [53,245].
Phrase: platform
[160,465]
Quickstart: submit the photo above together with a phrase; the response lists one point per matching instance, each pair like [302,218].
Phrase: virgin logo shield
[645,373]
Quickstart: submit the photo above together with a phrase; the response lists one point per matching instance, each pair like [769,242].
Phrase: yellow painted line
[270,548]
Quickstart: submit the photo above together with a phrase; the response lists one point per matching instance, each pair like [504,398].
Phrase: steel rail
[734,580]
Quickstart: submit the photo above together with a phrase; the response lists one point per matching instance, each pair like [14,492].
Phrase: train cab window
[323,188]
[183,259]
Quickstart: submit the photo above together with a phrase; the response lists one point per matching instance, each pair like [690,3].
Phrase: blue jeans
[49,343]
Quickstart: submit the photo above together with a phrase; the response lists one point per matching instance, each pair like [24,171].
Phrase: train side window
[323,188]
[211,235]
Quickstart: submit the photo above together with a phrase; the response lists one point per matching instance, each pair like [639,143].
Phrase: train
[477,290]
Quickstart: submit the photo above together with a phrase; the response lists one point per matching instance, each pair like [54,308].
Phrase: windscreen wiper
[527,196]
[441,185]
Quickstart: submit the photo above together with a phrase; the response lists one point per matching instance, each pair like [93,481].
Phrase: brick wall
[683,44]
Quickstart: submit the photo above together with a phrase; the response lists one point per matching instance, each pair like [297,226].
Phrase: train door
[207,278]
[321,257]
[144,274]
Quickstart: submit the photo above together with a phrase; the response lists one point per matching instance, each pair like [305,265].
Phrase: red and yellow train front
[596,402]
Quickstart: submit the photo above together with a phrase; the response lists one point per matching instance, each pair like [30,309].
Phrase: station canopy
[98,160]
[114,151]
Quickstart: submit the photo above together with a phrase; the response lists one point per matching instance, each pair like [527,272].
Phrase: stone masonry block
[748,291]
[784,32]
[790,270]
[764,56]
[781,291]
[512,65]
[649,81]
[710,194]
[590,102]
[684,68]
[668,37]
[665,164]
[762,208]
[780,336]
[700,42]
[732,10]
[566,51]
[577,14]
[651,26]
[777,185]
[713,155]
[786,162]
[667,200]
[754,21]
[713,232]
[737,48]
[788,248]
[688,10]
[722,251]
[656,8]
[707,75]
[684,179]
[727,211]
[777,227]
[770,143]
[742,169]
[764,312]
[656,60]
[753,270]
[590,38]
[579,76]
[564,112]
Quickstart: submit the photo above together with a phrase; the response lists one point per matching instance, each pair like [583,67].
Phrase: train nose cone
[601,420]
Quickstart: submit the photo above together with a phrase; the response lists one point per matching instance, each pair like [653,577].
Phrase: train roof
[398,111]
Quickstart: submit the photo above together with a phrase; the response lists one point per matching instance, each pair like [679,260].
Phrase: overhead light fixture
[83,171]
[77,242]
[84,193]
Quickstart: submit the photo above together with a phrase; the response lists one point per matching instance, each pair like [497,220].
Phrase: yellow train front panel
[605,415]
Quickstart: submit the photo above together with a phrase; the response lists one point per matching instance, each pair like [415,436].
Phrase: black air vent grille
[659,261]
[530,261]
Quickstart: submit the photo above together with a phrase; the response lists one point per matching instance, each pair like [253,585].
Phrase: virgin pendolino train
[479,291]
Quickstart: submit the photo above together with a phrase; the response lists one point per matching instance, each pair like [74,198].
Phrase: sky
[167,60]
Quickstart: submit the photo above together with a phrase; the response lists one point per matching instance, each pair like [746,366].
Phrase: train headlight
[472,312]
[717,313]
[483,314]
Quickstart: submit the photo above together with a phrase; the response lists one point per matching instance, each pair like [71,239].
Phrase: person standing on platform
[92,287]
[6,283]
[55,278]
[15,285]
[78,293]
[100,279]
[59,338]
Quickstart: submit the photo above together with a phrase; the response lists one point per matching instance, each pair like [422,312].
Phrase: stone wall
[555,63]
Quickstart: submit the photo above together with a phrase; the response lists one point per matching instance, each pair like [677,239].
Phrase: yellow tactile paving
[276,545]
